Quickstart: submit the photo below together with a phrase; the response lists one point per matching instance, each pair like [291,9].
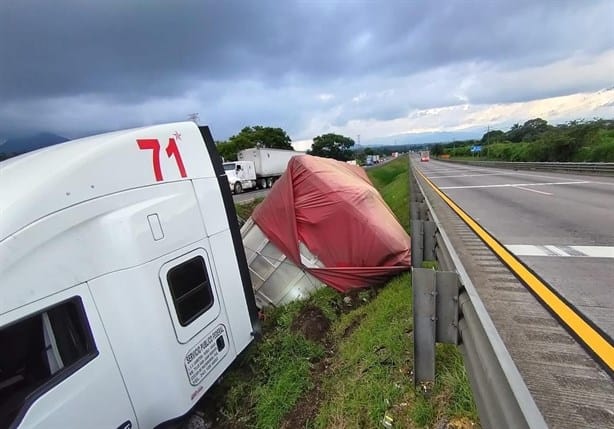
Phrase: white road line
[596,251]
[529,174]
[511,185]
[558,251]
[518,173]
[443,170]
[465,175]
[533,190]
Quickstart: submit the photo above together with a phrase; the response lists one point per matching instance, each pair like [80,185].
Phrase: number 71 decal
[172,151]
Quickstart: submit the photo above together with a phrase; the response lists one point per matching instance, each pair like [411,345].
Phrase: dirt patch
[355,298]
[312,323]
[352,326]
[305,410]
[456,423]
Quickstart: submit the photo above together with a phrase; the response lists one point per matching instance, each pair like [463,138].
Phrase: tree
[254,136]
[261,136]
[332,146]
[437,150]
[493,136]
[534,128]
[227,150]
[529,131]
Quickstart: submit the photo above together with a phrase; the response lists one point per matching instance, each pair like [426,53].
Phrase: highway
[562,227]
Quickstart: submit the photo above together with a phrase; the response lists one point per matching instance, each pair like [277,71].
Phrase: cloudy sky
[375,69]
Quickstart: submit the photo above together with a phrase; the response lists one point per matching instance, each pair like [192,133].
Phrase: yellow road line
[592,339]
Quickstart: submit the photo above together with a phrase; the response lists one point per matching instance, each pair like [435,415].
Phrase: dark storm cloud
[131,56]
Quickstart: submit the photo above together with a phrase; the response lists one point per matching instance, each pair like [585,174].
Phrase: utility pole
[488,142]
[193,117]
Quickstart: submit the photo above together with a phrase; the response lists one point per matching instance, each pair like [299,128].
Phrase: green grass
[453,383]
[430,264]
[392,181]
[385,174]
[370,375]
[285,360]
[268,381]
[244,210]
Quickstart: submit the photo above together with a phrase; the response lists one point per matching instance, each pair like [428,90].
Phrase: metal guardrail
[447,309]
[605,168]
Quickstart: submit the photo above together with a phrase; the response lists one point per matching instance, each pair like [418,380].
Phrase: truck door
[241,171]
[61,371]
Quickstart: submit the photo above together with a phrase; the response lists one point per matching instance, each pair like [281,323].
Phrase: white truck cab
[124,289]
[241,175]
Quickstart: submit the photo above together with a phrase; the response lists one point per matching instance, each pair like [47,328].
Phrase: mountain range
[11,146]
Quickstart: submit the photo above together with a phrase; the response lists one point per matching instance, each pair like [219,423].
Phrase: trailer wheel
[269,182]
[238,188]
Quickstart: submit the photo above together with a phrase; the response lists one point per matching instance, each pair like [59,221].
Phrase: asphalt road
[560,225]
[250,195]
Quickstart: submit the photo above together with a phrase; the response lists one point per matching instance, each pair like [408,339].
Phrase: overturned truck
[323,222]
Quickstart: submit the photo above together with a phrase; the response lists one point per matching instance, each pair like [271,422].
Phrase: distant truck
[125,288]
[425,156]
[257,167]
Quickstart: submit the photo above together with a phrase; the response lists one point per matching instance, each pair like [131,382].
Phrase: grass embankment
[344,361]
[392,181]
[244,210]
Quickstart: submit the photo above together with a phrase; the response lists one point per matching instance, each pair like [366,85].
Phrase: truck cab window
[190,289]
[38,352]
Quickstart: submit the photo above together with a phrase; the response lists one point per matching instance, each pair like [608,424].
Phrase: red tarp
[333,208]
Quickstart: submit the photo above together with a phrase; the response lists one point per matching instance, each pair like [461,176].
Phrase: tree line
[326,145]
[538,141]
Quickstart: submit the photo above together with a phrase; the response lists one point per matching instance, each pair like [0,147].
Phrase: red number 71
[171,151]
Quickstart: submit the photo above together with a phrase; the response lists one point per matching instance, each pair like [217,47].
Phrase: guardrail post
[447,287]
[428,239]
[435,297]
[424,291]
[422,211]
[417,243]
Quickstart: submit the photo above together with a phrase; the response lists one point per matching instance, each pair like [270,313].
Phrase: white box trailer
[269,164]
[124,284]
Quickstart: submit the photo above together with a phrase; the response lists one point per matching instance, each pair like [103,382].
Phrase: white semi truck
[125,291]
[257,167]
